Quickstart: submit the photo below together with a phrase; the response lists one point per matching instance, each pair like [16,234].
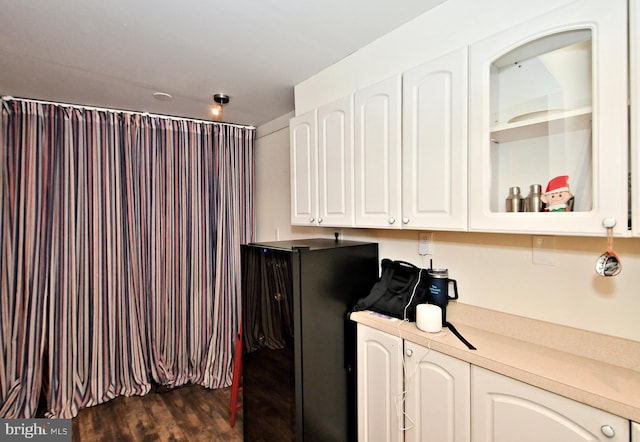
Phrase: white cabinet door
[377,155]
[304,169]
[635,432]
[634,84]
[549,98]
[379,386]
[434,151]
[438,396]
[335,163]
[506,410]
[322,165]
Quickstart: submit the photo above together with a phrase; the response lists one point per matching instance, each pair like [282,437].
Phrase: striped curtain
[120,258]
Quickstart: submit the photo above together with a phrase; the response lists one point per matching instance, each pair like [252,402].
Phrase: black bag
[402,286]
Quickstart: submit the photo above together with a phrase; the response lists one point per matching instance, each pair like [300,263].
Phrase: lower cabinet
[407,392]
[635,432]
[437,396]
[380,386]
[506,410]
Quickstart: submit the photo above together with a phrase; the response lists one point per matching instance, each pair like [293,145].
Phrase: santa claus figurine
[557,195]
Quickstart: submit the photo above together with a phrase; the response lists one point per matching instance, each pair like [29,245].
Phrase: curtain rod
[78,106]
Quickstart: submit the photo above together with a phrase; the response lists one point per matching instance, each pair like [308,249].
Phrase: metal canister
[533,201]
[514,202]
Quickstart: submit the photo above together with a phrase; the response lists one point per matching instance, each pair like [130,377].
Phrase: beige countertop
[597,370]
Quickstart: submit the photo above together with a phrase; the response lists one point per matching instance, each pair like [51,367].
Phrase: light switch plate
[544,250]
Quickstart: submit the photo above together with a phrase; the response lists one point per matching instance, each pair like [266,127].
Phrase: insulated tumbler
[438,283]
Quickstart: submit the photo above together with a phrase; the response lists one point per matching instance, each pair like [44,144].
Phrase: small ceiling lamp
[220,99]
[162,96]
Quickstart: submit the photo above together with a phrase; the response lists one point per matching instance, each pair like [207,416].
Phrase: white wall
[450,25]
[493,270]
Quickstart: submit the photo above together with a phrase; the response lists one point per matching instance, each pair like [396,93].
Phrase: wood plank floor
[189,413]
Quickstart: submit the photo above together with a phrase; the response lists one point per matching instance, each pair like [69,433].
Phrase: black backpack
[401,287]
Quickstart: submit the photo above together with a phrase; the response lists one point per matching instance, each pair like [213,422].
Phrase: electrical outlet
[544,250]
[425,244]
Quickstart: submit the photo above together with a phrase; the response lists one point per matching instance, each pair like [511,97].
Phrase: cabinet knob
[312,220]
[320,220]
[405,220]
[608,431]
[609,223]
[392,220]
[409,352]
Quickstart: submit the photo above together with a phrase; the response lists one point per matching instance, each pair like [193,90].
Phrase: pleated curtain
[120,259]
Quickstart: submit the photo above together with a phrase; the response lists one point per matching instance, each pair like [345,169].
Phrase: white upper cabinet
[304,168]
[378,155]
[548,98]
[634,60]
[322,165]
[335,163]
[434,152]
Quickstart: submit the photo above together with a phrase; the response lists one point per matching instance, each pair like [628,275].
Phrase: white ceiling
[116,53]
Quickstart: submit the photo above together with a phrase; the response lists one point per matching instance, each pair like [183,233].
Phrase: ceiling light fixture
[162,96]
[220,100]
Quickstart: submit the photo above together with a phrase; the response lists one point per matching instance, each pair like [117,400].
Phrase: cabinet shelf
[542,124]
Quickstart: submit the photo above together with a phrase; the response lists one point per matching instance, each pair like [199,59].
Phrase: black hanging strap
[459,336]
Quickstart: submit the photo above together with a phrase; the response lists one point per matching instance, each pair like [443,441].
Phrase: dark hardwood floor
[189,413]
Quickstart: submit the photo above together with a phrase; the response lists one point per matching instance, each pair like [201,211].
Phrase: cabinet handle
[409,352]
[320,220]
[405,220]
[312,220]
[392,220]
[608,431]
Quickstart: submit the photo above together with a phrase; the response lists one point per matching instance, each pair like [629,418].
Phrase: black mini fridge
[299,347]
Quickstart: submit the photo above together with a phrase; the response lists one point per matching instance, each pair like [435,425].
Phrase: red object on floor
[236,379]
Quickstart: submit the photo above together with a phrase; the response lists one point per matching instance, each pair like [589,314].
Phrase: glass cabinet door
[541,110]
[548,123]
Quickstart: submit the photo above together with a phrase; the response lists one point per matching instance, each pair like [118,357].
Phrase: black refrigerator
[299,347]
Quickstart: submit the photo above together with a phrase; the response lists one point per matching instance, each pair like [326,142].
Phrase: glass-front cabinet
[548,119]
